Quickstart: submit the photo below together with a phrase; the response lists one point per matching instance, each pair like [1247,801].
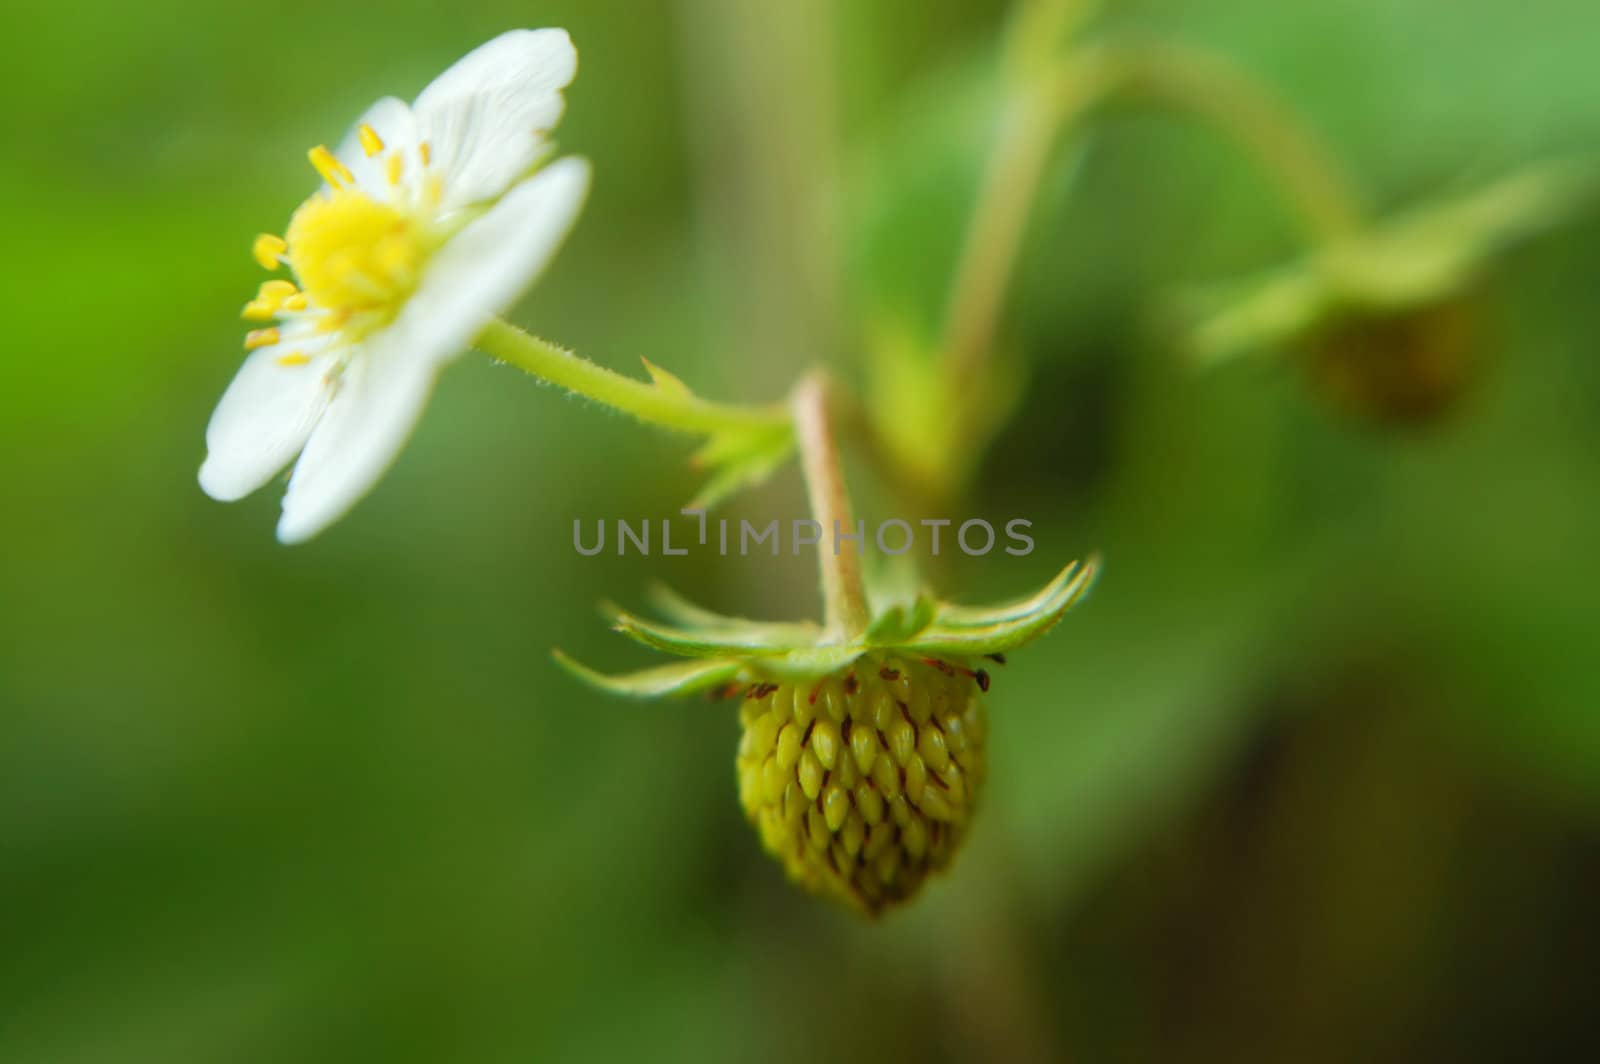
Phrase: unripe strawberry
[861,759]
[862,784]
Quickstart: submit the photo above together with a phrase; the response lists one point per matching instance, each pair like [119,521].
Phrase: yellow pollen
[427,153]
[294,358]
[271,296]
[268,249]
[276,290]
[392,168]
[332,170]
[257,338]
[356,258]
[296,303]
[371,143]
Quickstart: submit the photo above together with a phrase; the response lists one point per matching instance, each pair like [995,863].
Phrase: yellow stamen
[294,358]
[427,153]
[272,295]
[256,338]
[268,249]
[393,167]
[371,143]
[332,170]
[295,303]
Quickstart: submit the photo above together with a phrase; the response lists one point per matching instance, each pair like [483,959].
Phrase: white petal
[386,385]
[486,267]
[396,126]
[263,419]
[485,118]
[376,403]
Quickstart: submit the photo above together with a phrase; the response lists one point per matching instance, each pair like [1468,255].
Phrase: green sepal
[1009,632]
[956,616]
[804,662]
[681,610]
[900,622]
[681,678]
[727,648]
[738,461]
[753,639]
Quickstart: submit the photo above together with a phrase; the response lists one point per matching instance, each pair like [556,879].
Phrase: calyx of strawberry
[727,652]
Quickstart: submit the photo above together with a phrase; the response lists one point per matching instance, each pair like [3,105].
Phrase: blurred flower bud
[1397,368]
[1384,321]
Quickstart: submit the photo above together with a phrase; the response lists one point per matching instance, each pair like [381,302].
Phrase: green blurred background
[1314,775]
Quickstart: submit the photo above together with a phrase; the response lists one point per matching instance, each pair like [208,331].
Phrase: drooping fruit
[861,758]
[863,783]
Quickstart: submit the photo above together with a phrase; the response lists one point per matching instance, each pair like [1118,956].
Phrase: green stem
[844,593]
[665,402]
[1046,105]
[1046,100]
[1283,144]
[1030,121]
[1039,28]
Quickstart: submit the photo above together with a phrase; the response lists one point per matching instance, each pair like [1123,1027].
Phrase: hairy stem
[844,595]
[670,407]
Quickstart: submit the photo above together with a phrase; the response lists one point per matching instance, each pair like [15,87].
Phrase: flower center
[354,256]
[357,259]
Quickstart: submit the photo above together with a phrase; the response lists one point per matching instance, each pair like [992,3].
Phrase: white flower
[434,219]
